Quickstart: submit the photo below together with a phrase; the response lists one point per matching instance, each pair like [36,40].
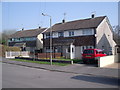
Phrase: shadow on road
[90,64]
[98,79]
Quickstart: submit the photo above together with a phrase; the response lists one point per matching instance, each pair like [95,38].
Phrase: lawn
[74,60]
[40,62]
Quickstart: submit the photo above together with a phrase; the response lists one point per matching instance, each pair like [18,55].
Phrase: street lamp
[50,36]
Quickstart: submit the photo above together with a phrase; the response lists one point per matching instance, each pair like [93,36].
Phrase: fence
[47,55]
[12,54]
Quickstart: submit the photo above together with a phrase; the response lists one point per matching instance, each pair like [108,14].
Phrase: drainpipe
[95,35]
[71,57]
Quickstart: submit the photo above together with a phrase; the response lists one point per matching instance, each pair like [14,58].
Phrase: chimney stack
[93,15]
[63,21]
[22,29]
[39,27]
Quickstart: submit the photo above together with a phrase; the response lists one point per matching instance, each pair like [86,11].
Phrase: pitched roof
[77,24]
[27,33]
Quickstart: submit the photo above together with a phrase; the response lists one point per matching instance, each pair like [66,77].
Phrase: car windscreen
[99,52]
[88,52]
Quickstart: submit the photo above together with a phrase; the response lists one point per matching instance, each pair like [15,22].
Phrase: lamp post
[50,36]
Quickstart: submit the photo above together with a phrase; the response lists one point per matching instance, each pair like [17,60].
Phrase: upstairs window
[30,38]
[71,33]
[10,40]
[60,34]
[17,39]
[47,35]
[87,32]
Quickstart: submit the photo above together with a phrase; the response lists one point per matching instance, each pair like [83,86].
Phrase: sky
[28,15]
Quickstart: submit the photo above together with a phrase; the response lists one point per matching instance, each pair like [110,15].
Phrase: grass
[74,60]
[40,62]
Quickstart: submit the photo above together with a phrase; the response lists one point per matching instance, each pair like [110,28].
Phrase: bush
[4,48]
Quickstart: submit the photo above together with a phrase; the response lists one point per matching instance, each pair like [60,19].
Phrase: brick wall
[47,55]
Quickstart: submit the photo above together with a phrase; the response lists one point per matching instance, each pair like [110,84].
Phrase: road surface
[15,76]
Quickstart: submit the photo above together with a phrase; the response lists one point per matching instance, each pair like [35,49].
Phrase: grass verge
[40,62]
[62,58]
[74,60]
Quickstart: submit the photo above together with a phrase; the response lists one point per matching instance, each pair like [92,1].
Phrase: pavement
[82,69]
[114,65]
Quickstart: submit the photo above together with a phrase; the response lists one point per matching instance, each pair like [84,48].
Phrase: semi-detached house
[27,40]
[71,38]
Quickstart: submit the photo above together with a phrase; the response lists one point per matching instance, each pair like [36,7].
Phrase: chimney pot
[39,27]
[63,21]
[22,29]
[93,15]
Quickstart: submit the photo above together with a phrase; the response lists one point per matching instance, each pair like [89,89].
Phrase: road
[15,76]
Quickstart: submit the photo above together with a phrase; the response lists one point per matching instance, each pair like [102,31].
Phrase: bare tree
[116,34]
[4,36]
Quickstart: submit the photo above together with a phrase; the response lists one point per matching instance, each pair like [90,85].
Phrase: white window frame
[87,32]
[60,34]
[71,33]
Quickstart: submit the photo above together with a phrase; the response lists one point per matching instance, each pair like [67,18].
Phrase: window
[69,49]
[86,47]
[83,48]
[10,40]
[30,38]
[17,39]
[88,52]
[22,39]
[13,39]
[99,52]
[71,33]
[47,35]
[87,32]
[60,34]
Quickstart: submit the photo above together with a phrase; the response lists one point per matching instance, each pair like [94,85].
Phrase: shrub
[4,48]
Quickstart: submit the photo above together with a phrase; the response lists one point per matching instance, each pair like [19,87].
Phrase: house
[27,40]
[71,38]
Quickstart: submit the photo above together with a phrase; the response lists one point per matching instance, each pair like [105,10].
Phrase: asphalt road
[15,76]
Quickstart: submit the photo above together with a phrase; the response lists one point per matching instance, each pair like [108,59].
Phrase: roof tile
[27,33]
[77,24]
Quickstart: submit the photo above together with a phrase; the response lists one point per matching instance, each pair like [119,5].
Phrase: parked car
[92,55]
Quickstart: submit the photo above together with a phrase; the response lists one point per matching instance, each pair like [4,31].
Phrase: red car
[91,55]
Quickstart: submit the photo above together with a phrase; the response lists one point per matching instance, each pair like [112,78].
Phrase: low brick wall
[107,60]
[45,60]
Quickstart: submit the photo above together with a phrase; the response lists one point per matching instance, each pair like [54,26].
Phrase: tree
[116,34]
[5,35]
